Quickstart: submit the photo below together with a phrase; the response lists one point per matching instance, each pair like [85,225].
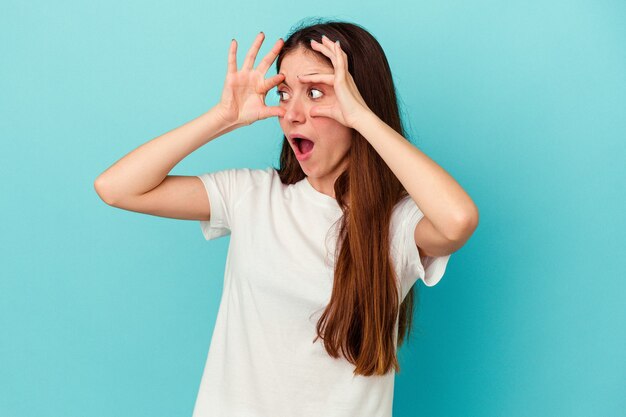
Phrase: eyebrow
[285,82]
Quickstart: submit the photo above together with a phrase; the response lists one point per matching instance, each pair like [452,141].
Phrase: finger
[270,111]
[322,48]
[329,43]
[267,61]
[317,78]
[340,58]
[327,47]
[254,49]
[273,81]
[232,57]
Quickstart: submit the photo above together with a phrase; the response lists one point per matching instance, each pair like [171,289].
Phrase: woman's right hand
[243,97]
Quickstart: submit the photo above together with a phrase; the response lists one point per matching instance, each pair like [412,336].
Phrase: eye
[280,92]
[316,90]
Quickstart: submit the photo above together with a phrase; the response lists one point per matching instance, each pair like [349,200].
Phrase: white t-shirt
[278,278]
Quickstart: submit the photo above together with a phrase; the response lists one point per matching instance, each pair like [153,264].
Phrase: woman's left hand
[350,106]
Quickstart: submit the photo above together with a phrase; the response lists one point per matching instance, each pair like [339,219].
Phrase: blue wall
[106,312]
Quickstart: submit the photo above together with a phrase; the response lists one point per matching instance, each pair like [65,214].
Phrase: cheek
[283,124]
[326,124]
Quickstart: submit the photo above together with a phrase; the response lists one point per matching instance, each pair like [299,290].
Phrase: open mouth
[304,146]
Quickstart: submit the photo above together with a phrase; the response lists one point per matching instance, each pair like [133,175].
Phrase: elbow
[464,225]
[100,188]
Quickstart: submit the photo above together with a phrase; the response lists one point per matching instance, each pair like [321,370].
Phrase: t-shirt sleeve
[224,189]
[431,269]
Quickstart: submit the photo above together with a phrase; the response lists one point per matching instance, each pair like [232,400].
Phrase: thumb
[271,111]
[321,111]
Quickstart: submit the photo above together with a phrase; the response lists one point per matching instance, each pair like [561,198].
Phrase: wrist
[365,117]
[225,123]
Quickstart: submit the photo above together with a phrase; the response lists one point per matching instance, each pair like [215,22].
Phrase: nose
[295,111]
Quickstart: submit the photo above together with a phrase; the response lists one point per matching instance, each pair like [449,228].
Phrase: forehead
[301,62]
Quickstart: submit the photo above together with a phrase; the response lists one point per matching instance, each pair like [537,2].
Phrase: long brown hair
[360,319]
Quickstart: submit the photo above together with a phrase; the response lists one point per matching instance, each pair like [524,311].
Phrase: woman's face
[331,139]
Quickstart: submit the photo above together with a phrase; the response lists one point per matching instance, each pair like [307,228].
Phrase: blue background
[106,312]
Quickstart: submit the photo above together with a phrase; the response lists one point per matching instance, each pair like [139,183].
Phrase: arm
[146,167]
[139,180]
[450,215]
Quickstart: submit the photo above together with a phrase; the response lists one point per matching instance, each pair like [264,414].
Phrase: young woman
[325,250]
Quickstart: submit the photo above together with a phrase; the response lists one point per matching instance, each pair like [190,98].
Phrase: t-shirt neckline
[318,196]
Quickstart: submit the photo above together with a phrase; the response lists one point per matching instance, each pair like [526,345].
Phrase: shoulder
[234,183]
[256,180]
[404,216]
[251,175]
[253,172]
[405,210]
